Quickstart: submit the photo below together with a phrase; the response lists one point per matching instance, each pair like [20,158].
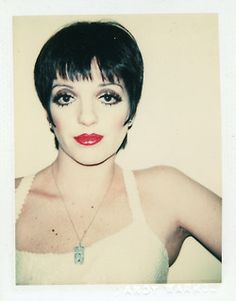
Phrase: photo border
[227,33]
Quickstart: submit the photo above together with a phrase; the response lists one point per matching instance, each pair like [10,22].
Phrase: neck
[81,181]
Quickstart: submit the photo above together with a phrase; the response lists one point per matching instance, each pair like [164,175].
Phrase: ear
[49,119]
[47,116]
[130,123]
[51,125]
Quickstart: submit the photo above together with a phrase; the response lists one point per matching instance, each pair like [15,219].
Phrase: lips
[88,139]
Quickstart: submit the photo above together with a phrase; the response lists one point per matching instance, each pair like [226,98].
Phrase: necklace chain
[80,249]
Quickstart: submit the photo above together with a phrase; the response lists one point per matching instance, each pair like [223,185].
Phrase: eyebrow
[62,85]
[111,84]
[100,85]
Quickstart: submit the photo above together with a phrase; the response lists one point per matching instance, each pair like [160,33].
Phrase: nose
[87,115]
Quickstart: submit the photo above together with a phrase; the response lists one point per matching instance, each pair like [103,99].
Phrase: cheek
[58,118]
[57,124]
[118,125]
[119,129]
[119,121]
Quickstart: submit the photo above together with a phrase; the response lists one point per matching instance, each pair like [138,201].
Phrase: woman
[91,221]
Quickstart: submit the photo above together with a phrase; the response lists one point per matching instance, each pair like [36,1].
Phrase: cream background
[178,121]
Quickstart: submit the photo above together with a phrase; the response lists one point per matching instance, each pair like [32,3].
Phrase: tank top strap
[133,195]
[21,193]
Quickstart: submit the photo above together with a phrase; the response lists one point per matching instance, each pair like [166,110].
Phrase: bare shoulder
[159,204]
[41,180]
[17,182]
[190,205]
[156,172]
[168,179]
[156,187]
[161,181]
[179,194]
[160,171]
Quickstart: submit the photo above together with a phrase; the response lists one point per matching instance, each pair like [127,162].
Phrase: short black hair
[70,51]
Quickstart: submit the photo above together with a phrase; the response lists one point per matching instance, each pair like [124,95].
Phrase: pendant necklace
[79,250]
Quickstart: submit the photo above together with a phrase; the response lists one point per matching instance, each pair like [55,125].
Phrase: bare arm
[198,211]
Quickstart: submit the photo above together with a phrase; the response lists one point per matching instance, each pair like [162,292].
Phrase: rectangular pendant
[79,254]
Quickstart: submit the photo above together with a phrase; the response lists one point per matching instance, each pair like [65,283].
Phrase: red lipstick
[88,139]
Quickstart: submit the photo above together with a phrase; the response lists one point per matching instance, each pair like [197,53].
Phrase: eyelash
[110,94]
[57,97]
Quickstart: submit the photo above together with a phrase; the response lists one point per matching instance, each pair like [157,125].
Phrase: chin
[94,162]
[91,159]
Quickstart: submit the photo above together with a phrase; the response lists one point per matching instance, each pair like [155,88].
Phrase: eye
[110,98]
[63,99]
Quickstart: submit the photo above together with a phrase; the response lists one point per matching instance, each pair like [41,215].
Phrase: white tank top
[133,255]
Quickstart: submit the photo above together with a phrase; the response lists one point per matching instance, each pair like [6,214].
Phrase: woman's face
[89,117]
